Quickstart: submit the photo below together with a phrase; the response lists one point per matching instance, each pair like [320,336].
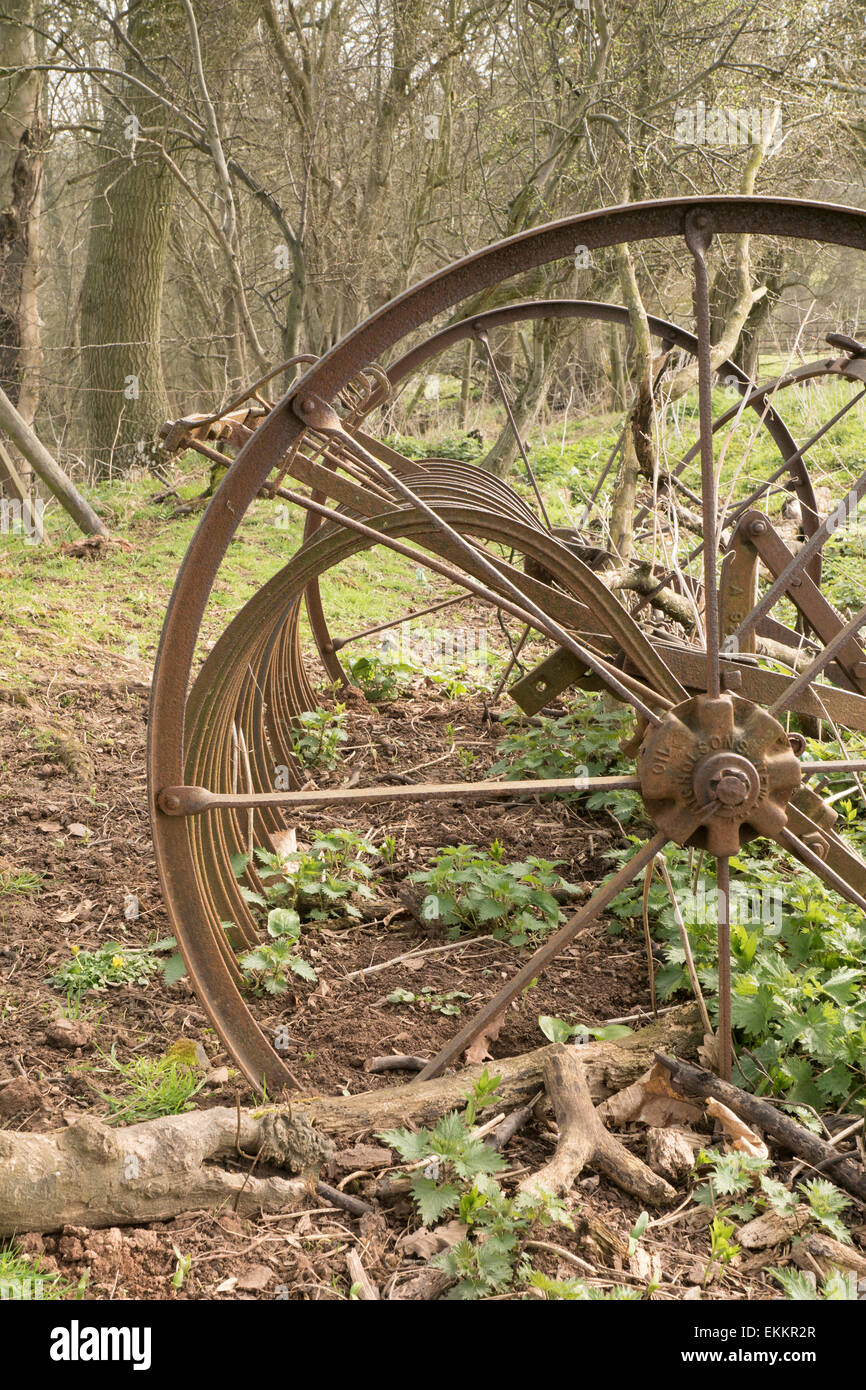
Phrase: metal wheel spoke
[723,887]
[192,801]
[698,236]
[812,672]
[788,465]
[763,488]
[847,507]
[617,448]
[338,643]
[832,766]
[788,840]
[600,481]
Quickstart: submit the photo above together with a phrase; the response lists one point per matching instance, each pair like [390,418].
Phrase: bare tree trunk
[742,298]
[121,297]
[466,384]
[618,379]
[21,155]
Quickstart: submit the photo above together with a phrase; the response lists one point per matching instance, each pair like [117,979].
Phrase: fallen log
[695,1081]
[610,1067]
[91,1174]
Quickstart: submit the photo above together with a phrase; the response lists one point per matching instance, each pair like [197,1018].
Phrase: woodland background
[191,193]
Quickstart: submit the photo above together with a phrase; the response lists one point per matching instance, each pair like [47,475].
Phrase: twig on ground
[695,1081]
[427,951]
[353,1205]
[367,1291]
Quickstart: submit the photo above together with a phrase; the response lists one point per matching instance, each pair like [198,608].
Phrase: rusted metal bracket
[759,533]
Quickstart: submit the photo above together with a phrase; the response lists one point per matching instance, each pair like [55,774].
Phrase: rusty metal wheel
[715,764]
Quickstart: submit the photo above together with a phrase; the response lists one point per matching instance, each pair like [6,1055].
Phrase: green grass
[75,609]
[152,1086]
[19,882]
[24,1279]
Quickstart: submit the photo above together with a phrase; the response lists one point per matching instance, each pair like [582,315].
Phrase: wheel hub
[725,753]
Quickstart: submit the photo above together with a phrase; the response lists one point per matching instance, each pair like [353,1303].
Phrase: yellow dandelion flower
[116,962]
[75,950]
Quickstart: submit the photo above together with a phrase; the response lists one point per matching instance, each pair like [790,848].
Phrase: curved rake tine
[630,690]
[512,662]
[481,335]
[320,416]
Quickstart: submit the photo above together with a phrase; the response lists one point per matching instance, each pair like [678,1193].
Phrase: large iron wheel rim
[209,972]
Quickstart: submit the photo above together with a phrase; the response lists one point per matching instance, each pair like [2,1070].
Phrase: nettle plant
[452,1171]
[576,1291]
[739,1186]
[799,1004]
[380,679]
[836,1286]
[319,883]
[460,681]
[316,742]
[468,888]
[584,742]
[315,885]
[269,965]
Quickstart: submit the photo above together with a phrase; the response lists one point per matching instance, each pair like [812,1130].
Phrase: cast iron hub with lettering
[727,754]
